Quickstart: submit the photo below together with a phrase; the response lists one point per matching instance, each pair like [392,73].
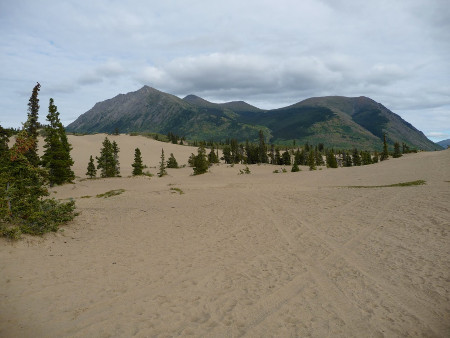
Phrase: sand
[259,255]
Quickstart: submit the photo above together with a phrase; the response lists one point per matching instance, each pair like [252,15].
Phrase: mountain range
[342,122]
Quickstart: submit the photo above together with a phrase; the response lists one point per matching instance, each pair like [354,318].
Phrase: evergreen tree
[286,158]
[32,125]
[278,157]
[331,159]
[115,149]
[347,160]
[106,162]
[162,165]
[295,167]
[226,154]
[405,148]
[318,157]
[212,156]
[200,162]
[172,162]
[56,158]
[262,149]
[356,158]
[22,188]
[312,160]
[91,171]
[397,152]
[385,153]
[137,164]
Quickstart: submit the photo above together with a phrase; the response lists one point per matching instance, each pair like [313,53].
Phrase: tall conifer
[32,125]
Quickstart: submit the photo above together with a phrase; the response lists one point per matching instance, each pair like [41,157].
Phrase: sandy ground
[259,255]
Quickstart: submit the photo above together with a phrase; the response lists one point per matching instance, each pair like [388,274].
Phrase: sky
[268,53]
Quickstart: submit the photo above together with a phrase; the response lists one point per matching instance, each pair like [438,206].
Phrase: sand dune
[259,255]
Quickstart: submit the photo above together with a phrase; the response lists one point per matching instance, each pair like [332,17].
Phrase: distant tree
[172,162]
[331,159]
[286,158]
[116,131]
[91,171]
[226,151]
[262,149]
[200,162]
[356,158]
[366,158]
[115,149]
[295,167]
[405,148]
[162,165]
[347,159]
[56,156]
[191,160]
[32,126]
[397,152]
[137,164]
[311,160]
[107,162]
[385,153]
[212,156]
[318,157]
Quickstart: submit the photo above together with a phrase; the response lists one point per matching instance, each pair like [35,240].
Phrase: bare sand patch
[289,254]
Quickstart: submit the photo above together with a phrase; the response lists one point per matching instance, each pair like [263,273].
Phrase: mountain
[342,122]
[444,143]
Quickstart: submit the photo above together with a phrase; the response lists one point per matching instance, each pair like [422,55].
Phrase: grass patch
[86,196]
[111,193]
[403,184]
[181,192]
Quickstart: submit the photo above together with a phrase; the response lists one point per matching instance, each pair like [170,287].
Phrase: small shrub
[181,192]
[244,171]
[111,193]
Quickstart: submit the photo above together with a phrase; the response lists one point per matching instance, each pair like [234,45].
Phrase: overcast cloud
[268,53]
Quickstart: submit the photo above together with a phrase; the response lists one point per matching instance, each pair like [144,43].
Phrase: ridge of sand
[256,255]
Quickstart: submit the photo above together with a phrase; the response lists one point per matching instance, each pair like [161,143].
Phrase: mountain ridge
[338,121]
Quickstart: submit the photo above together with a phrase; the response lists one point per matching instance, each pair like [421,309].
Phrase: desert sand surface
[259,255]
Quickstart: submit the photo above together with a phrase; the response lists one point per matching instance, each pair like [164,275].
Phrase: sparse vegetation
[402,184]
[244,171]
[111,193]
[181,192]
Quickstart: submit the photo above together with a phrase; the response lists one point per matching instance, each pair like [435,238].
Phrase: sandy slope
[238,255]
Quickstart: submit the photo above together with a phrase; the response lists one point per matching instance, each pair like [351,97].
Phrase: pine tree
[162,165]
[262,149]
[106,162]
[331,160]
[137,164]
[385,153]
[200,162]
[115,149]
[347,160]
[286,158]
[22,188]
[311,160]
[56,156]
[397,152]
[91,171]
[172,162]
[212,156]
[32,125]
[295,167]
[356,158]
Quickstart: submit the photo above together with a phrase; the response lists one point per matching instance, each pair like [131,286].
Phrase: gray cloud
[269,54]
